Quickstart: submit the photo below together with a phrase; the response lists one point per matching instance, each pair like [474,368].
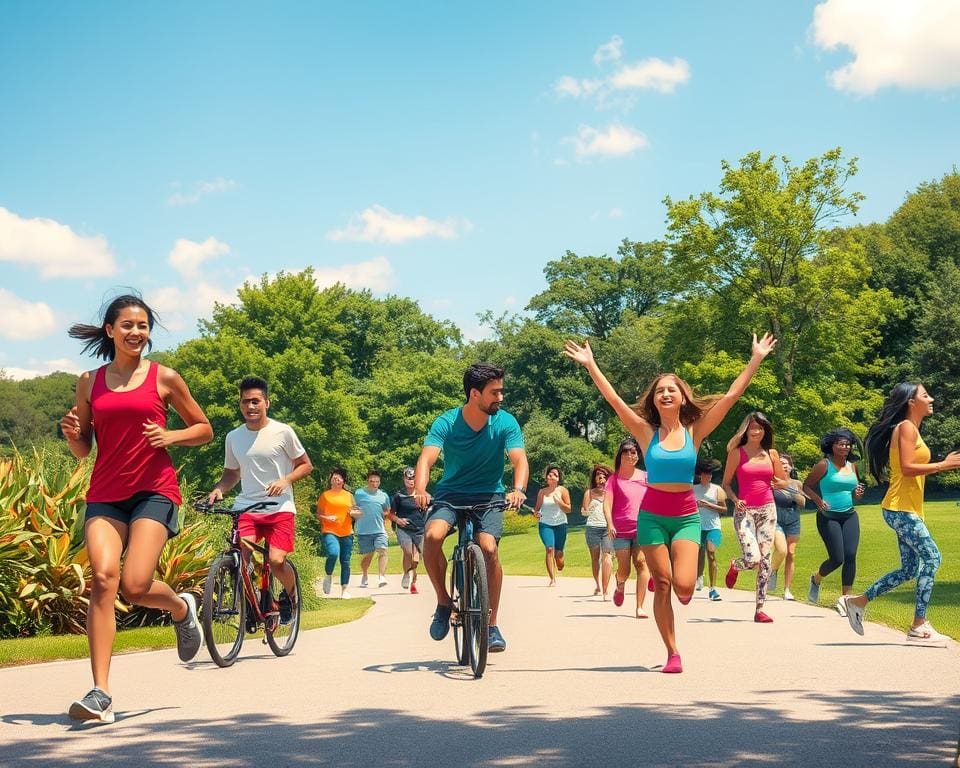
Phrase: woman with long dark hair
[551,510]
[894,446]
[134,493]
[599,543]
[752,459]
[834,486]
[622,498]
[669,424]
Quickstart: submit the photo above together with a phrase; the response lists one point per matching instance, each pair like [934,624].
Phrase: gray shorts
[490,522]
[408,541]
[370,542]
[624,542]
[144,505]
[597,537]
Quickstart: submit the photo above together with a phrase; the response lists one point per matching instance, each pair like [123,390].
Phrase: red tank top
[126,463]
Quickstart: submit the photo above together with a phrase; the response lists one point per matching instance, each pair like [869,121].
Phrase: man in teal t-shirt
[473,439]
[371,532]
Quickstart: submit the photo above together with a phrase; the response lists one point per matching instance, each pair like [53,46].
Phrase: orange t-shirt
[336,504]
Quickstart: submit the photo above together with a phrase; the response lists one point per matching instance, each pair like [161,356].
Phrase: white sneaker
[327,583]
[363,580]
[405,581]
[855,614]
[788,595]
[699,583]
[382,581]
[345,595]
[841,607]
[925,634]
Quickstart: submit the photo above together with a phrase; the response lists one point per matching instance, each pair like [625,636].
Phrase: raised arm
[711,420]
[637,426]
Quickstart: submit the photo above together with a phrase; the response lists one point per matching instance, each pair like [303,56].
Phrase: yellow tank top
[905,494]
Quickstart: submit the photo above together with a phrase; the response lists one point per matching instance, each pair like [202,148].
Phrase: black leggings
[841,538]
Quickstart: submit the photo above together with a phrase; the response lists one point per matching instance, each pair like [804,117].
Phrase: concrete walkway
[578,685]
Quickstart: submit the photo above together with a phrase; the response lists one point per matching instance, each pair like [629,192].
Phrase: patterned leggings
[756,528]
[919,559]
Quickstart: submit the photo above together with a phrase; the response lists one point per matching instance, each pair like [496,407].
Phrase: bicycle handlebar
[485,506]
[212,509]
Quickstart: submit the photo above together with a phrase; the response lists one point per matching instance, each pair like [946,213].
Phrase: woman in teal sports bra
[670,424]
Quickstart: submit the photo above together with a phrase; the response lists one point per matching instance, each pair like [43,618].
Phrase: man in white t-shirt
[266,458]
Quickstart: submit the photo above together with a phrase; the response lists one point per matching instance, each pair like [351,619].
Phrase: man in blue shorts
[473,439]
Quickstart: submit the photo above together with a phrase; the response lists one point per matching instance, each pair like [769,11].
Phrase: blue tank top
[665,466]
[836,488]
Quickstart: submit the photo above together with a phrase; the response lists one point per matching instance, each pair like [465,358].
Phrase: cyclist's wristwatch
[518,489]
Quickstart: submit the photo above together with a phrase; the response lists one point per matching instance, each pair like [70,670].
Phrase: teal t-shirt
[473,461]
[373,505]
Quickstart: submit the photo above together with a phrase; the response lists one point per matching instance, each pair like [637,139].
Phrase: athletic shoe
[363,580]
[642,614]
[855,614]
[495,641]
[344,595]
[96,705]
[699,583]
[286,607]
[673,665]
[813,592]
[772,584]
[651,584]
[405,581]
[761,618]
[189,633]
[440,624]
[382,581]
[925,634]
[731,578]
[413,589]
[618,594]
[327,583]
[714,595]
[788,595]
[841,608]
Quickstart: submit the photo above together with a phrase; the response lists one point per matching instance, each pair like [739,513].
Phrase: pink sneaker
[731,578]
[673,665]
[413,589]
[761,618]
[618,595]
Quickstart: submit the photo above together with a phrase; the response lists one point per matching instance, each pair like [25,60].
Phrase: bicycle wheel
[223,611]
[456,622]
[282,635]
[477,618]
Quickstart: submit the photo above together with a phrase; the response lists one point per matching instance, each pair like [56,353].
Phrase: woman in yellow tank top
[894,442]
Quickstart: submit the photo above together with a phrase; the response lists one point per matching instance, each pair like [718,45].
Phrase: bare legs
[680,578]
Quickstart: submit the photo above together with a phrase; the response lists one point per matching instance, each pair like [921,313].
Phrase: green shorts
[661,529]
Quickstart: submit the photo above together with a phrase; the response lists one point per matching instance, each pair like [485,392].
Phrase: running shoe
[642,614]
[440,624]
[327,583]
[841,608]
[761,618]
[788,595]
[96,705]
[382,581]
[363,580]
[286,607]
[772,584]
[189,633]
[855,614]
[714,595]
[344,595]
[651,584]
[618,594]
[699,583]
[925,634]
[405,581]
[813,592]
[731,578]
[495,641]
[673,666]
[413,589]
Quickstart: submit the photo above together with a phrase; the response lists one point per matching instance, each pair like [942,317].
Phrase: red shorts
[276,527]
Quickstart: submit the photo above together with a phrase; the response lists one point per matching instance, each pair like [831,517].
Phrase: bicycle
[470,618]
[234,605]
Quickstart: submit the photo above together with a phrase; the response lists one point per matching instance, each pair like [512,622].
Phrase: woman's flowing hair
[95,338]
[692,409]
[835,435]
[740,436]
[894,411]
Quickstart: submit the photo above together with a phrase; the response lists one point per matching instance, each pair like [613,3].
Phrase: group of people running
[652,517]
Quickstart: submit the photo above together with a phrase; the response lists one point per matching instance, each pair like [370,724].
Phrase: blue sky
[434,150]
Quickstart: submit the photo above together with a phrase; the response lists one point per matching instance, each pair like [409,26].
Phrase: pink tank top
[627,495]
[753,481]
[126,463]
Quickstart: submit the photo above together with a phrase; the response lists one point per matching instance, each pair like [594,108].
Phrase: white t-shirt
[709,518]
[263,456]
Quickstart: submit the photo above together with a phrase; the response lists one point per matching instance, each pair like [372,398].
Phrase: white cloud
[378,225]
[616,140]
[21,320]
[574,88]
[42,368]
[653,74]
[912,44]
[178,306]
[187,256]
[376,275]
[613,213]
[53,248]
[200,189]
[611,50]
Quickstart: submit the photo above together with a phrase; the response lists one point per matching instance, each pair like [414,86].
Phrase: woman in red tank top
[133,496]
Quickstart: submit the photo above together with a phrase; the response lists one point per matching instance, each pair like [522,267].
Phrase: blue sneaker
[441,622]
[714,595]
[813,592]
[495,643]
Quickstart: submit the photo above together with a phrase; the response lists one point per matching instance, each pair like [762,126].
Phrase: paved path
[578,685]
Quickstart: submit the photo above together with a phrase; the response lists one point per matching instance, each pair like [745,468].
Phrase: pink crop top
[753,481]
